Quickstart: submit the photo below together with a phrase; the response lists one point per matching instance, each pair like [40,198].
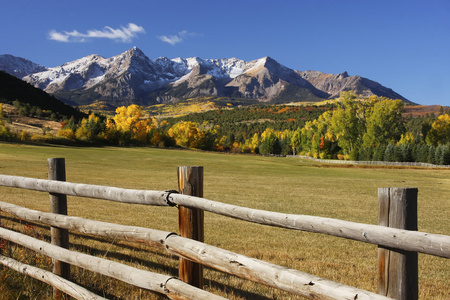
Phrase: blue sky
[404,45]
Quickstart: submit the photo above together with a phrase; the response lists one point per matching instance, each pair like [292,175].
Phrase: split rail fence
[397,238]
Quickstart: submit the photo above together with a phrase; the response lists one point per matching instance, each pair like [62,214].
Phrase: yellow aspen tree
[254,143]
[67,133]
[439,133]
[126,117]
[129,120]
[187,134]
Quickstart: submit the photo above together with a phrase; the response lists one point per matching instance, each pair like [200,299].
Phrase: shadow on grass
[127,258]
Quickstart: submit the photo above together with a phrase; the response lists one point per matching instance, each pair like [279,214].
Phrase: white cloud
[56,36]
[124,34]
[178,38]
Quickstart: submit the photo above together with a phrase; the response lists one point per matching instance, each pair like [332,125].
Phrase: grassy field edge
[289,185]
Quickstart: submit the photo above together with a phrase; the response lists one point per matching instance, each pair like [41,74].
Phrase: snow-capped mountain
[131,77]
[18,66]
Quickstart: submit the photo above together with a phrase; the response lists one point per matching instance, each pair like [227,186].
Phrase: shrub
[67,133]
[25,136]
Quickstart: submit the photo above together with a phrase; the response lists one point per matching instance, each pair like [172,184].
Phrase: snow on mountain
[68,76]
[132,77]
[91,70]
[219,68]
[18,66]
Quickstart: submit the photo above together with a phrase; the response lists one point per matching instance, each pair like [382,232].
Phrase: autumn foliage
[371,128]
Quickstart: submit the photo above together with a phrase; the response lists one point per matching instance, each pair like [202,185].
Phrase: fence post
[398,269]
[58,205]
[190,182]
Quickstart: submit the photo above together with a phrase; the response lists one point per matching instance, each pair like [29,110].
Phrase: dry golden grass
[31,125]
[278,184]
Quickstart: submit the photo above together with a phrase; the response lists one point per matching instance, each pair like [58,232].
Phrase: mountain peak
[343,75]
[136,51]
[132,77]
[19,66]
[269,59]
[270,63]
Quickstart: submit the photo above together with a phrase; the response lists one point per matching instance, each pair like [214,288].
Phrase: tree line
[352,127]
[373,129]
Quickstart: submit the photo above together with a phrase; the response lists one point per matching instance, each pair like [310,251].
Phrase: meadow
[281,184]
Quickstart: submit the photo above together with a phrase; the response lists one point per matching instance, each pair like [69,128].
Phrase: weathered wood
[113,231]
[140,278]
[157,198]
[434,244]
[179,290]
[398,269]
[190,220]
[47,277]
[291,280]
[58,205]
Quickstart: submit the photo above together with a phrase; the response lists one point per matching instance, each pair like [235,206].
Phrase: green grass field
[280,184]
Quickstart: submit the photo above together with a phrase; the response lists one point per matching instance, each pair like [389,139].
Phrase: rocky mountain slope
[131,77]
[333,84]
[18,66]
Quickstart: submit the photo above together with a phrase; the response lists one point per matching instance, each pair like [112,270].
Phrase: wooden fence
[372,162]
[397,238]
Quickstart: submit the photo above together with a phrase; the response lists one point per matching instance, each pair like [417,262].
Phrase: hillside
[248,120]
[12,89]
[18,123]
[423,110]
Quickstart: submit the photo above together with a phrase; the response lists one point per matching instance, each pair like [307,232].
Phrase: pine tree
[389,153]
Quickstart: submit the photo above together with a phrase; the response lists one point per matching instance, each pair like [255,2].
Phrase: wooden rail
[168,285]
[253,269]
[50,278]
[427,243]
[299,283]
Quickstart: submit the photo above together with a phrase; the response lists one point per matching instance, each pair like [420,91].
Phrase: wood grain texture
[131,196]
[58,205]
[433,244]
[140,278]
[398,269]
[427,243]
[191,221]
[283,278]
